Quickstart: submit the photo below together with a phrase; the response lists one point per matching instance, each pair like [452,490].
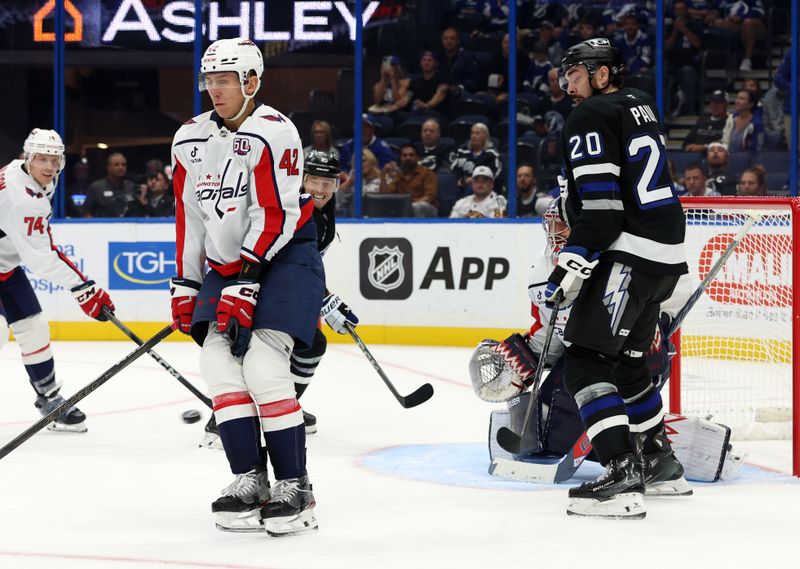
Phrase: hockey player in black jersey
[622,259]
[321,180]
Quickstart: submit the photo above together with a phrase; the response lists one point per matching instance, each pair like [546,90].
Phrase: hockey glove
[519,357]
[184,295]
[575,264]
[235,311]
[336,313]
[563,184]
[92,299]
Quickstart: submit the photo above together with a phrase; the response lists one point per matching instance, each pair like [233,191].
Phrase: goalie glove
[337,314]
[500,371]
[575,264]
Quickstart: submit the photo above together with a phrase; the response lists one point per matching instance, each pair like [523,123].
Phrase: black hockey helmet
[322,164]
[593,54]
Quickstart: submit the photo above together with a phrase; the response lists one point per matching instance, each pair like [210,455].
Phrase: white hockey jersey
[237,194]
[25,236]
[540,272]
[493,205]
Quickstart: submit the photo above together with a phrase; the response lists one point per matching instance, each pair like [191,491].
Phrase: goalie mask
[556,230]
[492,378]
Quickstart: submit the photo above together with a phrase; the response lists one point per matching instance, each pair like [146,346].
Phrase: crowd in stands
[434,119]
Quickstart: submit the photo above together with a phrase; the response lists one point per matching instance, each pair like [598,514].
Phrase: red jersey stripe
[270,201]
[178,179]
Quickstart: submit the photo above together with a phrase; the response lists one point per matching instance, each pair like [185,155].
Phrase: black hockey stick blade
[509,440]
[162,362]
[421,395]
[86,390]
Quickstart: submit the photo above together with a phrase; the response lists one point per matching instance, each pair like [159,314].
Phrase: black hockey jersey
[621,201]
[325,220]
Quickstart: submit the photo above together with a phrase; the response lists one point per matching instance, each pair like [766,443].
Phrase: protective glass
[225,80]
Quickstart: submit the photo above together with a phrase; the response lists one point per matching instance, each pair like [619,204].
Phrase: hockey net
[738,356]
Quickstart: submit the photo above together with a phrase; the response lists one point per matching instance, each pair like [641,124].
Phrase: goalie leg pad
[33,336]
[703,448]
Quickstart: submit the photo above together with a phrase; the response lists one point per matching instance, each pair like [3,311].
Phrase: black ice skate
[291,508]
[310,421]
[663,472]
[71,421]
[618,493]
[211,438]
[237,510]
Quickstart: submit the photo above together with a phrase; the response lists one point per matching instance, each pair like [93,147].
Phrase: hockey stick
[421,395]
[506,438]
[567,466]
[172,371]
[82,393]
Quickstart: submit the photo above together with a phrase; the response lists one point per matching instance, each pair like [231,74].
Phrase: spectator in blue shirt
[634,45]
[378,147]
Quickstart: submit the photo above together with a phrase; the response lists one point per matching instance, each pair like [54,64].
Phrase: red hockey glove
[235,311]
[184,295]
[92,299]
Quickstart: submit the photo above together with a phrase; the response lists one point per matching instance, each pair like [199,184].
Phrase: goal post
[739,347]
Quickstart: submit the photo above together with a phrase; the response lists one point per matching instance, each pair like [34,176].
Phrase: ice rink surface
[395,488]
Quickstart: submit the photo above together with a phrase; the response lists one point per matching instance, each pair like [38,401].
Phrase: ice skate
[211,438]
[310,421]
[237,510]
[71,421]
[291,509]
[618,493]
[663,472]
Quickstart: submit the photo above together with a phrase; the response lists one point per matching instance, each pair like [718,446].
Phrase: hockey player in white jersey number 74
[622,259]
[26,188]
[237,173]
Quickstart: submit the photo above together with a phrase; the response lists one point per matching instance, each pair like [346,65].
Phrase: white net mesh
[736,343]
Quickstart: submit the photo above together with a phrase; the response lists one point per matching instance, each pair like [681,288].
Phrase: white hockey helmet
[44,141]
[239,55]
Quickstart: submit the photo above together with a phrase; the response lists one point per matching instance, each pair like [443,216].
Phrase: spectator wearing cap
[412,178]
[483,202]
[390,93]
[744,17]
[634,45]
[708,127]
[155,199]
[430,88]
[694,181]
[433,154]
[719,177]
[461,66]
[478,151]
[377,146]
[683,45]
[744,129]
[753,182]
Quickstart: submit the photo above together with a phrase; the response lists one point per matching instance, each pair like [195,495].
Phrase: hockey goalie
[554,443]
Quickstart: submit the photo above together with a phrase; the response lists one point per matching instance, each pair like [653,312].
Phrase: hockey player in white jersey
[239,207]
[26,188]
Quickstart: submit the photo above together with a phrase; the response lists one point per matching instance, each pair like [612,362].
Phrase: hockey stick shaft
[422,394]
[86,390]
[752,219]
[507,438]
[161,361]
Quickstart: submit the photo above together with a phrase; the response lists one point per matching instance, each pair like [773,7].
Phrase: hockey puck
[191,416]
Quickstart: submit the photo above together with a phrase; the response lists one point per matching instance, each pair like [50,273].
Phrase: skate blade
[303,522]
[57,427]
[625,506]
[311,429]
[211,441]
[239,522]
[679,487]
